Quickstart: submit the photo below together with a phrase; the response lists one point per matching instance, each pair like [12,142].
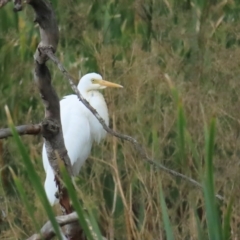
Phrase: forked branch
[51,125]
[47,231]
[35,129]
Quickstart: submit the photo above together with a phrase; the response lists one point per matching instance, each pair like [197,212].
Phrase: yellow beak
[107,84]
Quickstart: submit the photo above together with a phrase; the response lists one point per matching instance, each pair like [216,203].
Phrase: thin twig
[139,148]
[6,132]
[31,129]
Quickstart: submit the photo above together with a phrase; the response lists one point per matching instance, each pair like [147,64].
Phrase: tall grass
[34,179]
[135,43]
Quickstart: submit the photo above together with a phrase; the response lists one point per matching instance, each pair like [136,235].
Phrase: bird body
[80,127]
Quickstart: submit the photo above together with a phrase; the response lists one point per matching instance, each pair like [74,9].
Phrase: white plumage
[80,127]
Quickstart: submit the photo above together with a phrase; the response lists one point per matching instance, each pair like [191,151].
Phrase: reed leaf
[33,176]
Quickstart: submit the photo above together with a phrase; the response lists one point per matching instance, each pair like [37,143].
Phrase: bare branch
[139,148]
[3,3]
[47,231]
[6,132]
[49,32]
[51,126]
[31,129]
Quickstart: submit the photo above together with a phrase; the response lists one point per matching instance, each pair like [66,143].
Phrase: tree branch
[47,231]
[36,129]
[130,139]
[51,125]
[3,3]
[139,148]
[32,129]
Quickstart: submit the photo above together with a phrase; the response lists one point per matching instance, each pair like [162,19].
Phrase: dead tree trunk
[51,126]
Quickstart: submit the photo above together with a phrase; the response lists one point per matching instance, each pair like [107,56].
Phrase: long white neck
[97,101]
[83,92]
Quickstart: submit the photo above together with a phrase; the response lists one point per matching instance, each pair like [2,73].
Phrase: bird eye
[93,80]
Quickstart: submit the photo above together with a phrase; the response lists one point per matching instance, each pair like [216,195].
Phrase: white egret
[80,127]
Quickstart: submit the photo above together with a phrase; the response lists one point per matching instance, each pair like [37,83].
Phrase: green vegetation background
[134,43]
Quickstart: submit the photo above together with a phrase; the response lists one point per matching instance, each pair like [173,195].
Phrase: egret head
[94,81]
